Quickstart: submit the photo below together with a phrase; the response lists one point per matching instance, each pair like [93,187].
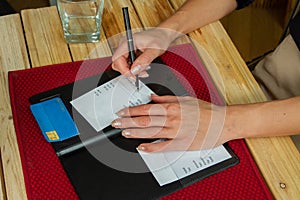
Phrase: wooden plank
[13,56]
[277,158]
[279,162]
[91,50]
[152,12]
[44,36]
[2,183]
[228,67]
[113,21]
[44,41]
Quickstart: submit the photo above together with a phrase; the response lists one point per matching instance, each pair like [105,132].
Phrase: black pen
[88,142]
[130,41]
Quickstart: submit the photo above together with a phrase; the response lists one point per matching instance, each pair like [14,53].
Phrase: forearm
[197,13]
[275,118]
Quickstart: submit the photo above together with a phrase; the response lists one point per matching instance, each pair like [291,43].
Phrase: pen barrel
[129,34]
[88,142]
[132,56]
[130,41]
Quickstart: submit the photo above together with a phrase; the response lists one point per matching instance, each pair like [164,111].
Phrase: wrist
[245,121]
[168,34]
[236,122]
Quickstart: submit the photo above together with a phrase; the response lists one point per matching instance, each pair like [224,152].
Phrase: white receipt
[99,105]
[171,166]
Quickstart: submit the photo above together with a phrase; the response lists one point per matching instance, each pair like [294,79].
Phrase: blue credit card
[54,120]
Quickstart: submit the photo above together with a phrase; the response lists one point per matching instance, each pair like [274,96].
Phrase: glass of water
[81,19]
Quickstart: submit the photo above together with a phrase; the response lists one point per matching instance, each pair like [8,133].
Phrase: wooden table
[35,38]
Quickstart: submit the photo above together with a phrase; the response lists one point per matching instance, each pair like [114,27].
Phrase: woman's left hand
[186,123]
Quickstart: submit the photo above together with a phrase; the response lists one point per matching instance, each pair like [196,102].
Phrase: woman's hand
[186,123]
[152,43]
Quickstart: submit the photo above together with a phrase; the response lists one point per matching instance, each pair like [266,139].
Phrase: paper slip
[99,105]
[171,166]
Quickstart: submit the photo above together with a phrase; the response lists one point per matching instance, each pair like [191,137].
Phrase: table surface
[34,38]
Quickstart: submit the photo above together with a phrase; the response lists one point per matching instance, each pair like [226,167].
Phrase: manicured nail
[141,148]
[125,133]
[144,75]
[120,113]
[148,67]
[135,70]
[116,123]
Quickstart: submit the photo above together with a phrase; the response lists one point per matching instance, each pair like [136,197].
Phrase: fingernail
[141,148]
[148,67]
[144,75]
[125,133]
[116,123]
[135,70]
[120,113]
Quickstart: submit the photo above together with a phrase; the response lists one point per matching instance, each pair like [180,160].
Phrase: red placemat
[44,176]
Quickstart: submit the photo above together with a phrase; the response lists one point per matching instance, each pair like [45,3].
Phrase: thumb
[147,57]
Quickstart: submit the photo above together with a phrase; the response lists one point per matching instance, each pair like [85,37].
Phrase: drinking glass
[81,19]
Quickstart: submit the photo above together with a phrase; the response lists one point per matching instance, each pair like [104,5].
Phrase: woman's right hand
[152,43]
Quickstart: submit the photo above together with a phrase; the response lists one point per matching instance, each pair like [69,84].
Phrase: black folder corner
[93,179]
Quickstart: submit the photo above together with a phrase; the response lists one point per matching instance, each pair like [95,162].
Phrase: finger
[121,65]
[170,99]
[122,49]
[143,74]
[155,147]
[138,69]
[150,133]
[119,58]
[139,122]
[147,109]
[164,99]
[168,145]
[147,57]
